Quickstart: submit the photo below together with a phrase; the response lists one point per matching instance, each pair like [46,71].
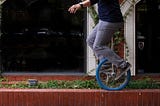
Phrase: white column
[91,61]
[128,11]
[130,39]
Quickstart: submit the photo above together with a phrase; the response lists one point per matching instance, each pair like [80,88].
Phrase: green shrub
[145,83]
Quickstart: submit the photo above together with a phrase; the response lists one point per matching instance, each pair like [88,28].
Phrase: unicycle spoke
[108,79]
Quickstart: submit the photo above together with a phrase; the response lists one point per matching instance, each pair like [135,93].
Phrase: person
[110,21]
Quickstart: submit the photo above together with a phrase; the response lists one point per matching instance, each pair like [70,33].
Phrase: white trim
[2,1]
[130,39]
[91,61]
[128,10]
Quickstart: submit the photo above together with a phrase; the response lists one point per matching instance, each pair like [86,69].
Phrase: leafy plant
[55,84]
[145,83]
[93,14]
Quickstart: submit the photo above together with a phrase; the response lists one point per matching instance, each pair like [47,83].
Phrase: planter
[79,97]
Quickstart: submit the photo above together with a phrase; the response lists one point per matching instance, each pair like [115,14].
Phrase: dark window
[148,36]
[42,36]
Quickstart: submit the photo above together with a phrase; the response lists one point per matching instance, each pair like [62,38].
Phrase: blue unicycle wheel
[106,76]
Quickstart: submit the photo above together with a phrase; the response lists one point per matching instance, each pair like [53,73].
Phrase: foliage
[55,84]
[76,84]
[93,14]
[145,83]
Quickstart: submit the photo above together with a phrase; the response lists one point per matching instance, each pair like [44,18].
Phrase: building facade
[141,34]
[42,45]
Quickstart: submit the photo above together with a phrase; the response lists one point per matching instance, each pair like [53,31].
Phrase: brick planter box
[79,97]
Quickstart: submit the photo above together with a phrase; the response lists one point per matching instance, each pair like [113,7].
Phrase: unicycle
[106,77]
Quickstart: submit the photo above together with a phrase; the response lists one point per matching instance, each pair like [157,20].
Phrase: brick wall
[79,97]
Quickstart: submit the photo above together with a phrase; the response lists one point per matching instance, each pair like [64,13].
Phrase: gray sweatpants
[100,37]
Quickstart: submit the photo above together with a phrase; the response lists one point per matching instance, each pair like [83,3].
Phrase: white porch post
[128,10]
[91,61]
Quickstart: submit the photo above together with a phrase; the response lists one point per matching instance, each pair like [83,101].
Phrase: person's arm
[78,6]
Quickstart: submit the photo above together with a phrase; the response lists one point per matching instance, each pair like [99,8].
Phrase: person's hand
[74,8]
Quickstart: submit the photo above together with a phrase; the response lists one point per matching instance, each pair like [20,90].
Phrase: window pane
[42,36]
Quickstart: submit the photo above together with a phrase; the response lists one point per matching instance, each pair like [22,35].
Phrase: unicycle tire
[106,77]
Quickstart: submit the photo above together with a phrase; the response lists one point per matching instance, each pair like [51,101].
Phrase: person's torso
[109,10]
